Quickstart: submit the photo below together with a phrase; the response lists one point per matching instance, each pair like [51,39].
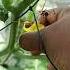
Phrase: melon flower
[32,27]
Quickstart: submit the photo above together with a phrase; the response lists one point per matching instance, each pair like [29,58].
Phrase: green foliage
[3,14]
[29,16]
[27,62]
[21,60]
[16,6]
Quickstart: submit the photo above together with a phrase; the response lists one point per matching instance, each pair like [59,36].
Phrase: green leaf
[15,68]
[12,37]
[3,14]
[16,6]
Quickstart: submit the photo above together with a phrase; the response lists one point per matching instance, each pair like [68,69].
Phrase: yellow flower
[33,27]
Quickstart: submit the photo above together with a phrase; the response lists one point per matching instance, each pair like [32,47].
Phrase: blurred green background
[15,58]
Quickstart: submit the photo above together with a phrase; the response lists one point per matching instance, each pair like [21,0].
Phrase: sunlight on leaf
[2,68]
[3,41]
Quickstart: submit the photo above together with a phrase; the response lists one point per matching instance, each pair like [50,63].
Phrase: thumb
[30,42]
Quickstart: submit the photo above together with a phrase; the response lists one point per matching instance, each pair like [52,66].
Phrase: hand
[56,38]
